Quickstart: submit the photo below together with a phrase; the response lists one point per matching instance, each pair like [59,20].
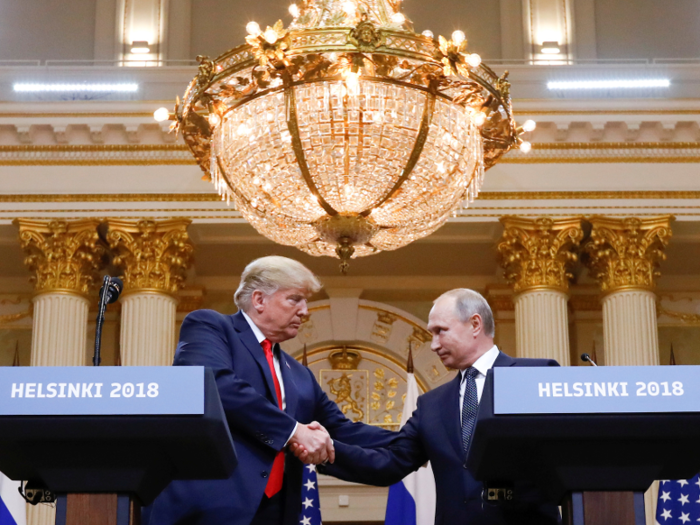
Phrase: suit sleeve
[385,465]
[202,343]
[341,428]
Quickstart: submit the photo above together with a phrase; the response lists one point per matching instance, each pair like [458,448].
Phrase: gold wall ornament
[381,330]
[346,133]
[345,359]
[625,253]
[154,255]
[63,255]
[538,253]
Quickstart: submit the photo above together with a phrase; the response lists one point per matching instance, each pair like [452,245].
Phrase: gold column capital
[538,253]
[65,256]
[626,253]
[154,255]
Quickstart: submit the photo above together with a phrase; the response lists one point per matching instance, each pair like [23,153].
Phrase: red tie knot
[266,345]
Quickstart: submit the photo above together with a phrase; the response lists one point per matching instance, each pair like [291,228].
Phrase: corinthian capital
[154,255]
[63,256]
[538,253]
[626,253]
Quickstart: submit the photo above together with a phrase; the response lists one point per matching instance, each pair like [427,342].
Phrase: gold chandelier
[346,133]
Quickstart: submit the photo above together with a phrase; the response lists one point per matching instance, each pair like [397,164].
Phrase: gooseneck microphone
[109,293]
[586,357]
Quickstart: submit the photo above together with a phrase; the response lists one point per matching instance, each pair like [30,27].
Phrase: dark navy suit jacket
[434,433]
[258,427]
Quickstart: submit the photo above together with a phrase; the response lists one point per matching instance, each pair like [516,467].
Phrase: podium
[591,439]
[106,450]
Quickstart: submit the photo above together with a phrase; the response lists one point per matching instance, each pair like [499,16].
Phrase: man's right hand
[312,444]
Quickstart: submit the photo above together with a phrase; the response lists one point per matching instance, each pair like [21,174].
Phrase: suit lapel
[451,416]
[251,343]
[290,388]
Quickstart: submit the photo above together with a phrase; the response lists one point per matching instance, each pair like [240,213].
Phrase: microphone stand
[104,292]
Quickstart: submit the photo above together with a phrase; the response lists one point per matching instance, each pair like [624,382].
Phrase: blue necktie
[469,407]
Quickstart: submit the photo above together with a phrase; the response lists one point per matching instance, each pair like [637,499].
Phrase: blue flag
[679,502]
[12,506]
[310,502]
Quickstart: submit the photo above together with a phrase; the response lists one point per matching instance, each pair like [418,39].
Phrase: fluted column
[623,255]
[154,257]
[65,258]
[536,255]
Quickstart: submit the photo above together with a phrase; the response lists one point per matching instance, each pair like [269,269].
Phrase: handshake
[312,444]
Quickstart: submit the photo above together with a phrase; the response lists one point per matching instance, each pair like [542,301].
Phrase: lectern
[109,439]
[592,439]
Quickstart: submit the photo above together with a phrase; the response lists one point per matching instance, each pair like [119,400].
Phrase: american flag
[310,503]
[679,502]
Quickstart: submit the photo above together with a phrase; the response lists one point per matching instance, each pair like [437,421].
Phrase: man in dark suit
[271,401]
[439,430]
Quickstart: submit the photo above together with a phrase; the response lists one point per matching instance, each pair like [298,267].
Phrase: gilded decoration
[373,394]
[381,330]
[153,255]
[626,253]
[416,340]
[538,253]
[63,255]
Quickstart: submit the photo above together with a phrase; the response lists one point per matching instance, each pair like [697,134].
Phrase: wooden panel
[91,509]
[604,508]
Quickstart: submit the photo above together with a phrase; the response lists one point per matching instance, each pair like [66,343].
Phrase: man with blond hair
[270,400]
[440,429]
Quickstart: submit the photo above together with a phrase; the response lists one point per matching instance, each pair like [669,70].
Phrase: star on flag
[679,502]
[311,505]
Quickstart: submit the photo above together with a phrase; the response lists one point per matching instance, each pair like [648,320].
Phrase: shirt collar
[258,334]
[485,362]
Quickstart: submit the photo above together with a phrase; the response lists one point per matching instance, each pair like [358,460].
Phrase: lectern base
[97,509]
[603,508]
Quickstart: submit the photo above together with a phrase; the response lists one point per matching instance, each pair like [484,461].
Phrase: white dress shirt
[276,361]
[483,365]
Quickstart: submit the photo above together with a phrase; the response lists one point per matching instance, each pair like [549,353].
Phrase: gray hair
[272,273]
[467,303]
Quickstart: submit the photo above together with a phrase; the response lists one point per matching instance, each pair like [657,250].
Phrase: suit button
[264,473]
[465,466]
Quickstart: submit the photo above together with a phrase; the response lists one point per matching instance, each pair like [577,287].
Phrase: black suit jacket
[434,434]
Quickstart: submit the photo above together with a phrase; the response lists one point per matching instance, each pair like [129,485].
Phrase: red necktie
[274,484]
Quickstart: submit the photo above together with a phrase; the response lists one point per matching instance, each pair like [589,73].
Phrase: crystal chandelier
[346,133]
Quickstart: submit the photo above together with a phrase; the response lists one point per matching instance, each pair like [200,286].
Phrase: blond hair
[272,273]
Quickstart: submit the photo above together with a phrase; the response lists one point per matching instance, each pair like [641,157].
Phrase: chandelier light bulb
[242,130]
[398,18]
[214,120]
[529,125]
[525,146]
[294,10]
[428,33]
[161,114]
[458,37]
[270,35]
[253,28]
[349,8]
[479,118]
[473,60]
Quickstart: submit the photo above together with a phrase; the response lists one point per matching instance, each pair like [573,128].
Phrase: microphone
[111,289]
[586,357]
[109,293]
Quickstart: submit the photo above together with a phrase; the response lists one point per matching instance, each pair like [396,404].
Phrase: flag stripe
[403,506]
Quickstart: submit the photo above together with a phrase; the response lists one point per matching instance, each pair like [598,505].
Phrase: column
[536,255]
[623,255]
[154,258]
[65,259]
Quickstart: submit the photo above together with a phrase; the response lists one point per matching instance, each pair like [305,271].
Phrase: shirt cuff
[290,435]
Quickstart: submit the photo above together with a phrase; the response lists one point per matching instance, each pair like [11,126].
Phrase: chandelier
[346,133]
